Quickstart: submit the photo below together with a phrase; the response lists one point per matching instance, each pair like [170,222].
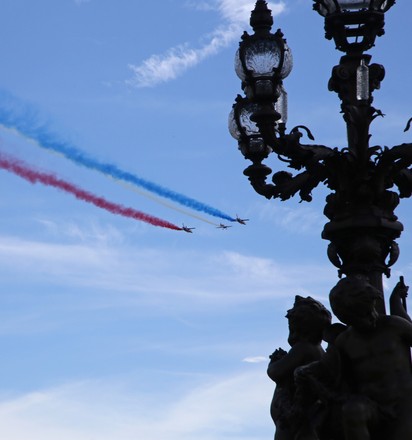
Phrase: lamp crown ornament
[261,19]
[353,24]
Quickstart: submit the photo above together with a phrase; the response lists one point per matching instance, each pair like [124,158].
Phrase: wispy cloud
[302,220]
[220,409]
[168,66]
[156,275]
[83,234]
[238,11]
[255,359]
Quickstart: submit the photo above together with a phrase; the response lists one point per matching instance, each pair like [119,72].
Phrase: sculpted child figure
[307,320]
[375,363]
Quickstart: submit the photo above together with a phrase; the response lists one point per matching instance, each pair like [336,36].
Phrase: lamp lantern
[263,59]
[353,24]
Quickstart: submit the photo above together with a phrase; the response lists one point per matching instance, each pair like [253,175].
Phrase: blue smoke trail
[24,121]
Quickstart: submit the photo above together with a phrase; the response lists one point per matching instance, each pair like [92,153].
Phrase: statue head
[353,301]
[307,320]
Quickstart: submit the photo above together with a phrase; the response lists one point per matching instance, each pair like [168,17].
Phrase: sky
[111,327]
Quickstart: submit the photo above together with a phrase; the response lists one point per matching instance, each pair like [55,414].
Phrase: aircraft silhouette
[242,221]
[222,226]
[187,229]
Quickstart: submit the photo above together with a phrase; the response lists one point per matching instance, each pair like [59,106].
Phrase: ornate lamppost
[362,226]
[366,182]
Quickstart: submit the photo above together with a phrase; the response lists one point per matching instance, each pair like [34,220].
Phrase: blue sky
[112,328]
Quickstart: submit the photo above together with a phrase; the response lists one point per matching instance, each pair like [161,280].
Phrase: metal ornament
[340,395]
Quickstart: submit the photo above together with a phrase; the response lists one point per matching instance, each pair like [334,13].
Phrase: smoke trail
[26,126]
[17,167]
[162,202]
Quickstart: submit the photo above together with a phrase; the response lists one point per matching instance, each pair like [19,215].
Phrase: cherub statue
[375,362]
[307,320]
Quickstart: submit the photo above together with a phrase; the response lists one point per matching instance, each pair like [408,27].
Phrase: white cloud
[255,359]
[84,234]
[57,254]
[91,410]
[162,68]
[302,220]
[182,278]
[238,11]
[200,5]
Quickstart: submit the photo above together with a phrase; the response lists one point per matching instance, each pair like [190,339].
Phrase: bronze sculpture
[307,321]
[361,388]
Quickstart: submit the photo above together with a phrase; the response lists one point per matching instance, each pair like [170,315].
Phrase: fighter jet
[187,229]
[222,226]
[242,221]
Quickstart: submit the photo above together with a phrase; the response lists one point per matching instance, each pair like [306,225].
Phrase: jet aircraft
[187,229]
[242,221]
[222,226]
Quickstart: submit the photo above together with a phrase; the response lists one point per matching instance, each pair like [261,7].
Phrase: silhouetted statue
[307,321]
[397,300]
[375,362]
[361,388]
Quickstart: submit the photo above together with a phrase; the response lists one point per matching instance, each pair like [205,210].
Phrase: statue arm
[403,328]
[397,300]
[283,368]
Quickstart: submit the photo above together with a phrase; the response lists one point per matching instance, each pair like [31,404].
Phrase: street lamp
[362,226]
[262,61]
[366,182]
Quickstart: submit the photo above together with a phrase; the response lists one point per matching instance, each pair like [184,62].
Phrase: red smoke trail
[33,176]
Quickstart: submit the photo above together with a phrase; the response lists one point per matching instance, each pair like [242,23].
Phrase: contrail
[33,176]
[47,140]
[162,202]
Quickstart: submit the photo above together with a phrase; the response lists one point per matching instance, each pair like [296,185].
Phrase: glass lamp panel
[325,7]
[239,67]
[362,81]
[250,128]
[354,5]
[382,5]
[245,127]
[287,63]
[233,128]
[262,57]
[281,105]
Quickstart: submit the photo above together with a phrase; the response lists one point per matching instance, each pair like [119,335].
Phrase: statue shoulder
[393,321]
